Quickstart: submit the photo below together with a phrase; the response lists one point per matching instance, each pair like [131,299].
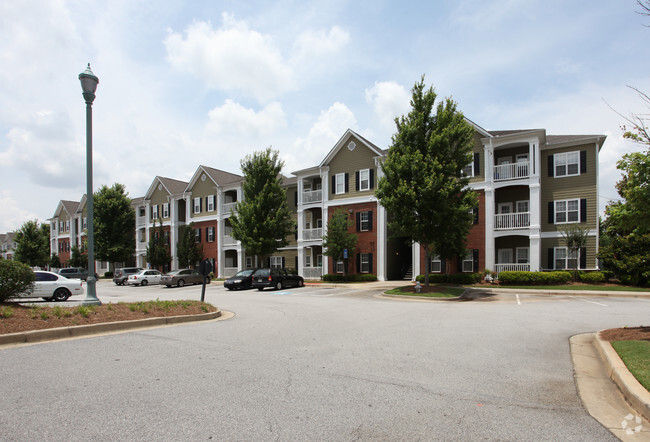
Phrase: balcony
[312,234]
[229,240]
[312,196]
[506,221]
[312,272]
[512,171]
[512,267]
[227,207]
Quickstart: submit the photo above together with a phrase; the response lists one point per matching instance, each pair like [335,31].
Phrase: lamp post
[89,83]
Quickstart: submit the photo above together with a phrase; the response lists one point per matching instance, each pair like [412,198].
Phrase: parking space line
[518,300]
[591,302]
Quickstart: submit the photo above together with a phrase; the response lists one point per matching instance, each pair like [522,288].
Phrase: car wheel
[144,282]
[61,294]
[301,283]
[260,288]
[278,285]
[49,299]
[230,289]
[180,283]
[168,285]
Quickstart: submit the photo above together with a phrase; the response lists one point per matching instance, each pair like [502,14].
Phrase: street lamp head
[89,83]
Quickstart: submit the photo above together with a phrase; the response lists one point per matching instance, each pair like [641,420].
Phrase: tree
[15,278]
[338,237]
[33,244]
[55,262]
[157,251]
[423,188]
[262,220]
[78,257]
[575,237]
[187,251]
[114,224]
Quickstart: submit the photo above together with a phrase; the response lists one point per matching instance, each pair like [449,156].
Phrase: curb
[104,327]
[420,298]
[635,394]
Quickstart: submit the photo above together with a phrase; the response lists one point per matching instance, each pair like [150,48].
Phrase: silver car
[181,277]
[144,277]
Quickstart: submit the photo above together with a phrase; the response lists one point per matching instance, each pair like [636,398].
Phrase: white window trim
[210,203]
[196,207]
[338,267]
[155,212]
[339,180]
[210,234]
[249,262]
[436,264]
[362,221]
[165,210]
[517,250]
[364,260]
[276,262]
[468,171]
[566,211]
[366,179]
[470,254]
[522,201]
[565,157]
[566,259]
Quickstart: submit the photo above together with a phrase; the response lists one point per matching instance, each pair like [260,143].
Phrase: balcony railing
[512,171]
[312,234]
[519,220]
[229,240]
[512,267]
[312,272]
[227,207]
[312,196]
[140,221]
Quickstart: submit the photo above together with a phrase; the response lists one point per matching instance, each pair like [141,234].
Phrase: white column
[489,229]
[488,152]
[301,260]
[220,226]
[535,205]
[147,215]
[173,231]
[416,260]
[535,252]
[381,242]
[240,257]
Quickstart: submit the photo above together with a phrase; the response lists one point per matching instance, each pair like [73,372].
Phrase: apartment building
[7,245]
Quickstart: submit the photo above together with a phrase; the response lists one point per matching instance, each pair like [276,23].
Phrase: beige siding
[202,189]
[573,187]
[549,243]
[349,162]
[158,198]
[289,258]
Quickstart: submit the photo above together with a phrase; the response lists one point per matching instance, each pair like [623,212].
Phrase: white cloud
[13,216]
[389,100]
[233,118]
[232,58]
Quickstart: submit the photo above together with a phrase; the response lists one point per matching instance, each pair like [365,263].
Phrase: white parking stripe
[518,300]
[591,302]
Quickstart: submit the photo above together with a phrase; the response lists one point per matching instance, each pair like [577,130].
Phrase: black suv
[276,278]
[121,275]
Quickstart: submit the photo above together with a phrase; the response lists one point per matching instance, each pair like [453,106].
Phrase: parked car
[76,273]
[144,277]
[276,278]
[121,275]
[242,280]
[53,287]
[183,276]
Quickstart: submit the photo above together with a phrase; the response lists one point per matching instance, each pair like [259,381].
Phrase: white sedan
[53,287]
[144,277]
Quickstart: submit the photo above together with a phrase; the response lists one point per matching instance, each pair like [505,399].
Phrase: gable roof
[70,208]
[339,144]
[219,177]
[172,186]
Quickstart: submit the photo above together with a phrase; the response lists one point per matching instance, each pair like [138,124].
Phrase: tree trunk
[427,265]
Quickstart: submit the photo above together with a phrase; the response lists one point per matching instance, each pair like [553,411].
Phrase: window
[365,263]
[166,210]
[61,226]
[141,210]
[308,260]
[67,226]
[319,260]
[364,179]
[567,164]
[339,267]
[522,255]
[522,206]
[276,262]
[468,261]
[249,262]
[564,259]
[364,221]
[339,179]
[197,235]
[166,237]
[197,205]
[85,223]
[468,170]
[567,211]
[210,234]
[155,212]
[211,203]
[436,264]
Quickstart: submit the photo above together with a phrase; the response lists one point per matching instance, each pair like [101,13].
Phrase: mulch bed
[626,334]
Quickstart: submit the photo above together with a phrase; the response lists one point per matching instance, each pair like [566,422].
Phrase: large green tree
[262,221]
[339,238]
[33,244]
[422,187]
[187,250]
[78,257]
[157,251]
[114,224]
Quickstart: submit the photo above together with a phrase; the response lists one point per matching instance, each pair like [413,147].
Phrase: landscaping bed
[633,346]
[15,317]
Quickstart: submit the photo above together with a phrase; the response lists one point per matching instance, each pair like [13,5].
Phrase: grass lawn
[577,287]
[636,355]
[440,292]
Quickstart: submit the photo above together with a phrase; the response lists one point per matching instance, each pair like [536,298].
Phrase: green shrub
[608,275]
[434,278]
[15,278]
[534,278]
[592,277]
[357,277]
[454,278]
[108,275]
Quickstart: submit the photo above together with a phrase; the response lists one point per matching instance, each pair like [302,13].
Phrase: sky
[207,82]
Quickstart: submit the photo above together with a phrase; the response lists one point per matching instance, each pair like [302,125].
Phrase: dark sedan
[242,280]
[276,278]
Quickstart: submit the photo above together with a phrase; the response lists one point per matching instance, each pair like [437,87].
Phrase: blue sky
[207,82]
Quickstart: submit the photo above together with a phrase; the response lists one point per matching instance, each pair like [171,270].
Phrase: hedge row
[534,278]
[454,278]
[357,277]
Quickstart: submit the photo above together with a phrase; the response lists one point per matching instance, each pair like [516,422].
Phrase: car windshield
[245,273]
[262,272]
